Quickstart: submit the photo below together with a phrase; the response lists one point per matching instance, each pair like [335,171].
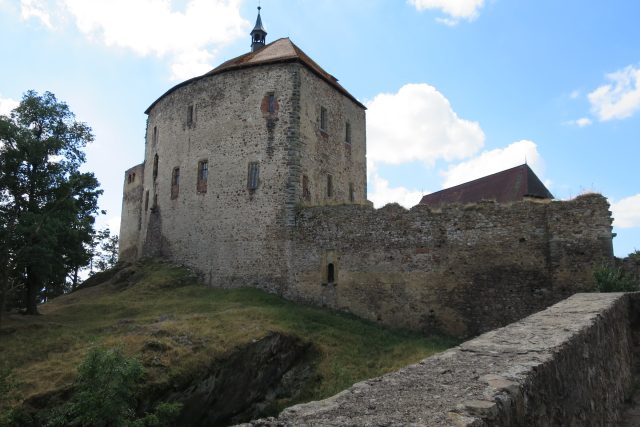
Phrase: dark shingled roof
[507,186]
[280,51]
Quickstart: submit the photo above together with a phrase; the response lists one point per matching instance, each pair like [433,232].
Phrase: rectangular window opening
[253,176]
[329,186]
[347,136]
[323,118]
[154,139]
[272,102]
[175,183]
[146,200]
[190,118]
[203,175]
[306,194]
[351,193]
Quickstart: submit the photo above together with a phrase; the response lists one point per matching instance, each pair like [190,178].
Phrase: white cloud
[626,212]
[418,124]
[620,98]
[493,161]
[35,9]
[383,194]
[575,94]
[456,9]
[189,38]
[6,105]
[581,122]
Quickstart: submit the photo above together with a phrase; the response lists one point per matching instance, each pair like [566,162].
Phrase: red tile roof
[507,186]
[280,51]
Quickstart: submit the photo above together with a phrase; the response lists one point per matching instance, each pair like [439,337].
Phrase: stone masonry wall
[462,270]
[569,365]
[131,220]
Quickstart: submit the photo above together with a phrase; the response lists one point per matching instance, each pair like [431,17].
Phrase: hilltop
[227,355]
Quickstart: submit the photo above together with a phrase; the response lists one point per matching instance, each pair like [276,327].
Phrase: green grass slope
[176,326]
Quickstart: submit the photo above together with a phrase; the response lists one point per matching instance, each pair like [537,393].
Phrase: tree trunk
[33,284]
[4,286]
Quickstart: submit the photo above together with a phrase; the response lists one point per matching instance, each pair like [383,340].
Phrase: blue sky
[456,89]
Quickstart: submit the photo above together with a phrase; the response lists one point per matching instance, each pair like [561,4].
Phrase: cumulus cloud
[581,122]
[418,124]
[626,212]
[382,193]
[190,38]
[455,9]
[35,9]
[493,161]
[6,105]
[618,99]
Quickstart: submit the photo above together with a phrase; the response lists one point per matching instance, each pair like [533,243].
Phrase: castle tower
[258,34]
[231,155]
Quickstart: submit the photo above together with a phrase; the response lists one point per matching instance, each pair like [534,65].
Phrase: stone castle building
[255,175]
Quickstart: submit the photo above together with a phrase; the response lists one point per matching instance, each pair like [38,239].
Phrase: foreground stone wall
[463,270]
[568,365]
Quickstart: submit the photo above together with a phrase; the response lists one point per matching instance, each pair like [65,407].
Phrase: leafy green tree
[47,206]
[106,395]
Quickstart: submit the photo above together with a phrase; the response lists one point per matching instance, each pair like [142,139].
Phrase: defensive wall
[463,270]
[571,365]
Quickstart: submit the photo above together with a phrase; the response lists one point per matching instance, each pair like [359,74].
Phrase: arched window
[331,274]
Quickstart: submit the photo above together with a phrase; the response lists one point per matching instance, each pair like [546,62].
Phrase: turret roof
[280,51]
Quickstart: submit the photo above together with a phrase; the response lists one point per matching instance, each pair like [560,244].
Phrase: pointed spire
[258,34]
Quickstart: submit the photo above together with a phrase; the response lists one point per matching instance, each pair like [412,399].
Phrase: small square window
[347,136]
[323,118]
[253,176]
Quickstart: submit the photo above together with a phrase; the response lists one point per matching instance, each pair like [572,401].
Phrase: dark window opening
[203,175]
[323,118]
[331,274]
[329,186]
[146,200]
[253,176]
[155,202]
[306,194]
[154,139]
[190,115]
[351,192]
[271,102]
[155,167]
[175,183]
[347,136]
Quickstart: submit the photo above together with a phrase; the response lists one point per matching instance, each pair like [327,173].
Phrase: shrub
[610,279]
[105,395]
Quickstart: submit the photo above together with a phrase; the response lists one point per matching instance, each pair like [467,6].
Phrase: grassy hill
[179,329]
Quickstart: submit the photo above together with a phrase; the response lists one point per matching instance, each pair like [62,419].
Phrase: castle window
[351,192]
[155,167]
[190,118]
[154,139]
[323,119]
[155,202]
[306,194]
[146,200]
[331,273]
[347,133]
[329,186]
[271,102]
[253,176]
[175,183]
[203,175]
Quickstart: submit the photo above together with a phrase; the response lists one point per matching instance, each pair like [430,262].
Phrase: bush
[105,395]
[610,279]
[7,395]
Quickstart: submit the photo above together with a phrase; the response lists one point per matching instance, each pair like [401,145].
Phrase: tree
[47,206]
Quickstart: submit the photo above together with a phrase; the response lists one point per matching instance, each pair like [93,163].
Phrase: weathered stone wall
[233,234]
[131,219]
[462,270]
[569,365]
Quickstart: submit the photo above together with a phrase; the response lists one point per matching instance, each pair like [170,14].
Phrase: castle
[255,175]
